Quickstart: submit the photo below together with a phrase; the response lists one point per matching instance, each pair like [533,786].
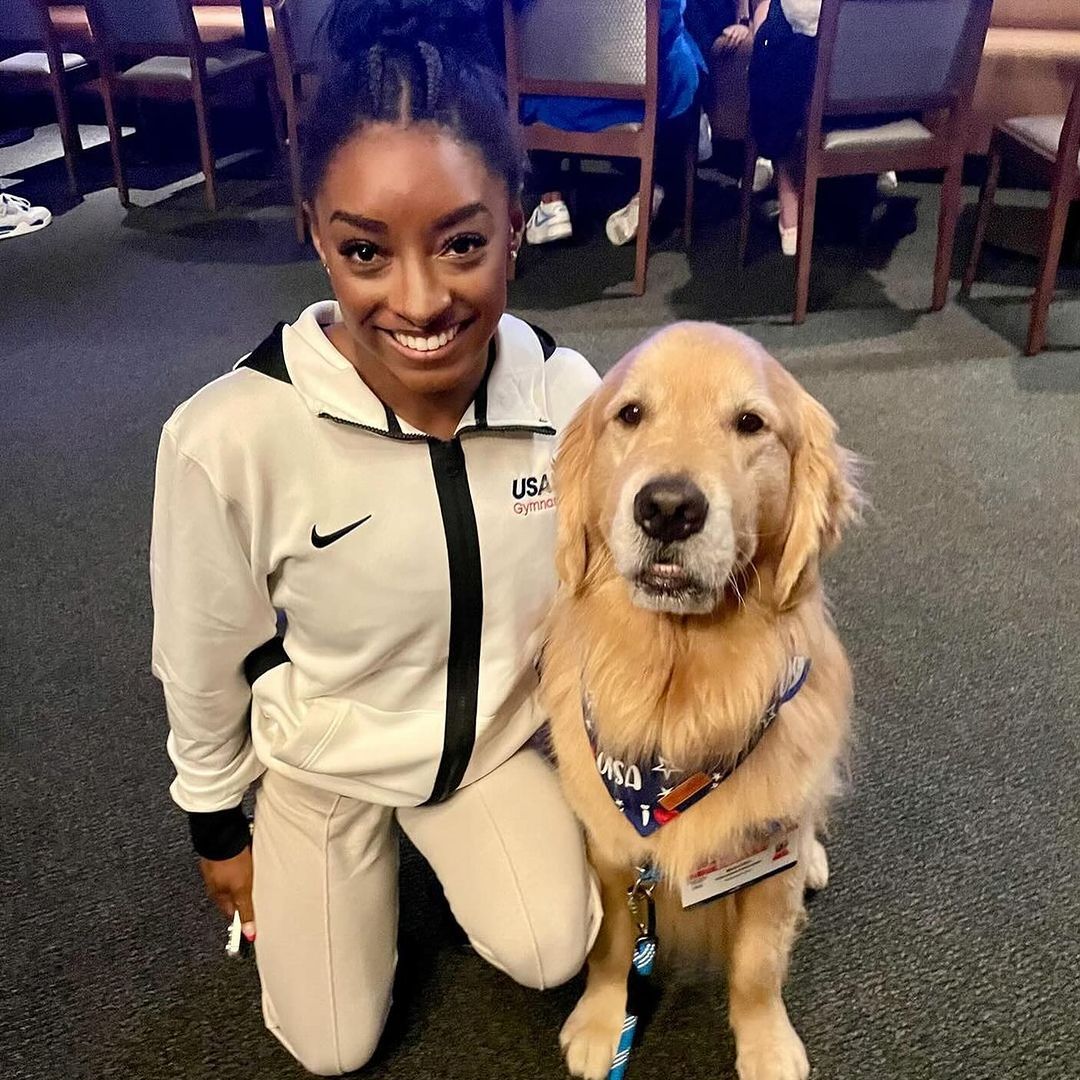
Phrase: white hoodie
[411,574]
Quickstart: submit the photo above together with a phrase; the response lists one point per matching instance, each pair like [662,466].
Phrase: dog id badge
[722,876]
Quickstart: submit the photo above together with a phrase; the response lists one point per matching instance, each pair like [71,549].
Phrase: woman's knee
[351,1051]
[540,961]
[329,1049]
[544,954]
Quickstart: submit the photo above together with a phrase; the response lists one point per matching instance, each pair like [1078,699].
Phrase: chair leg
[206,153]
[645,205]
[1054,236]
[948,216]
[746,196]
[114,140]
[69,132]
[689,178]
[986,205]
[805,246]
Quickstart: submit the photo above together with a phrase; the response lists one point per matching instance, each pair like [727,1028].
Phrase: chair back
[880,56]
[571,48]
[21,23]
[305,28]
[145,27]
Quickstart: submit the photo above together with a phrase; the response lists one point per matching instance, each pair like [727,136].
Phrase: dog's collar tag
[651,793]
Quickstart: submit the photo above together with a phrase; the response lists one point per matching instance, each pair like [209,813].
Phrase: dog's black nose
[671,508]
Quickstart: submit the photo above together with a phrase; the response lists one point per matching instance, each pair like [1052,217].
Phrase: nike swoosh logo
[325,541]
[543,216]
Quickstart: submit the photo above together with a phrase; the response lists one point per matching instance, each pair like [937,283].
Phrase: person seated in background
[719,29]
[717,26]
[781,81]
[681,66]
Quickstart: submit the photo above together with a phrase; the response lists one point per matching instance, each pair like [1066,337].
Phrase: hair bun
[354,26]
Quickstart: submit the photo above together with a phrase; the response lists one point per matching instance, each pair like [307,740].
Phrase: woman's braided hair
[410,61]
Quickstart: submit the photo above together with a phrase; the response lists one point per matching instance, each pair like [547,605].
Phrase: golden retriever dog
[697,491]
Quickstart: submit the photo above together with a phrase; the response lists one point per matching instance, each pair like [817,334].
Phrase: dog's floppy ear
[824,497]
[571,494]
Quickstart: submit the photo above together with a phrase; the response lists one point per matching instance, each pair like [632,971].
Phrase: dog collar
[653,792]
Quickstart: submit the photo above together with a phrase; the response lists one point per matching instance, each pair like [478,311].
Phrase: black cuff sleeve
[219,834]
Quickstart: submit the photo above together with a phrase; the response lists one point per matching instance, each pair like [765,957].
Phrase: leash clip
[639,898]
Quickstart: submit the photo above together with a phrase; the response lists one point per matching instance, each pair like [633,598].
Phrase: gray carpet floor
[947,944]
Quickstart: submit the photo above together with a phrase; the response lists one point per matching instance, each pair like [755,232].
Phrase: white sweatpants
[509,855]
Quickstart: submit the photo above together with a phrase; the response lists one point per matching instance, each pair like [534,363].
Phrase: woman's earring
[326,267]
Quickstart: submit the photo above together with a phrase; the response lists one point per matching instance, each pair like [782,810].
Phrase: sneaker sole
[618,222]
[555,232]
[621,232]
[25,227]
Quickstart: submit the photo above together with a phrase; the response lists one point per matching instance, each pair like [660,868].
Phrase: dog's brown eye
[630,415]
[749,423]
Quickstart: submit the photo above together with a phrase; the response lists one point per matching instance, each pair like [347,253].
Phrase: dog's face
[698,458]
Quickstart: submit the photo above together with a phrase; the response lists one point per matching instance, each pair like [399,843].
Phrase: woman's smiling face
[414,230]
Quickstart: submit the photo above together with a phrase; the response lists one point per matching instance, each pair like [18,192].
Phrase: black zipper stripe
[527,429]
[480,398]
[404,436]
[466,614]
[401,435]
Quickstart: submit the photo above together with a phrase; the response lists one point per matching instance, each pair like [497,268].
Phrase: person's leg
[787,191]
[511,858]
[326,918]
[780,83]
[550,218]
[669,163]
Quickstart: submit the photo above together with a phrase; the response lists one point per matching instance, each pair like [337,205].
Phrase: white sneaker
[704,138]
[789,239]
[549,221]
[887,184]
[763,174]
[622,226]
[18,217]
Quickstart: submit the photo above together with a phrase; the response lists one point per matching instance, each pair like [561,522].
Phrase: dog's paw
[590,1036]
[817,866]
[775,1053]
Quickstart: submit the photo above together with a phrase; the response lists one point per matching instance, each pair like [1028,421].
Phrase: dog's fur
[689,675]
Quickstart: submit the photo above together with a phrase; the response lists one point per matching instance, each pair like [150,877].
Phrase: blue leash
[640,898]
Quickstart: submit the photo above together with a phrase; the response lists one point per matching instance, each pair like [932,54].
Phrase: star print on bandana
[650,794]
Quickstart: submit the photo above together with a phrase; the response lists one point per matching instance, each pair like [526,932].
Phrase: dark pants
[781,81]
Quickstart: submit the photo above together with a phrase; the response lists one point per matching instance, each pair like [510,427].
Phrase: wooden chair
[302,48]
[567,48]
[1049,147]
[884,57]
[152,49]
[34,60]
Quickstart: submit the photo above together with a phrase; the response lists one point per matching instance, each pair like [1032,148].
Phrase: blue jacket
[681,65]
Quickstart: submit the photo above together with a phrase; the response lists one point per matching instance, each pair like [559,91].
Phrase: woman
[376,477]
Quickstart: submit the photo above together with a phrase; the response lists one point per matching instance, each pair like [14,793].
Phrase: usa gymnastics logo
[532,494]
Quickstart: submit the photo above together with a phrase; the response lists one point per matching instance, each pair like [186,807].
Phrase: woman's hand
[732,37]
[228,884]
